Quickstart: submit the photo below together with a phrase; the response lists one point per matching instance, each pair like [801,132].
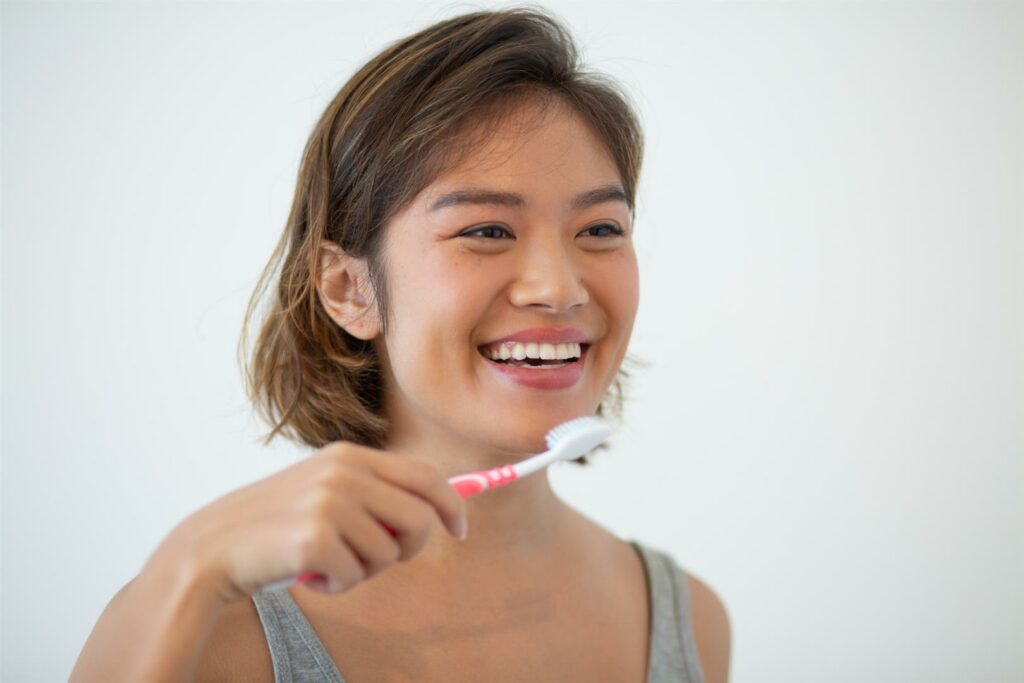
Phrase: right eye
[474,232]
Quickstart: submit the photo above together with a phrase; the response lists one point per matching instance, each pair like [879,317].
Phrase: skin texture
[552,266]
[456,292]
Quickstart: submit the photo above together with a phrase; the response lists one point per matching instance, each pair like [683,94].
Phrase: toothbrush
[566,441]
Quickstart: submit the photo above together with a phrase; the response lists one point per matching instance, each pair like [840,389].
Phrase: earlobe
[345,291]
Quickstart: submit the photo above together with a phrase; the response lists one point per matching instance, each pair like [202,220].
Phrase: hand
[345,513]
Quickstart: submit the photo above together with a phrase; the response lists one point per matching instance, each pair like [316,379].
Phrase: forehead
[533,145]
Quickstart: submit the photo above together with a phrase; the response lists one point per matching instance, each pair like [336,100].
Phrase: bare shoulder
[711,628]
[237,649]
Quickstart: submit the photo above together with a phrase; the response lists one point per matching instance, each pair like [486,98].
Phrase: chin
[524,438]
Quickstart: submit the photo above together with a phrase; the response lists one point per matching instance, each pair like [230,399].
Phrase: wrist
[178,569]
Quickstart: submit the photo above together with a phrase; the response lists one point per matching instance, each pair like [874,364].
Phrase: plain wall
[831,241]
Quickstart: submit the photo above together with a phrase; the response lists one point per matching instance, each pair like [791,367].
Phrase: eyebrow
[606,193]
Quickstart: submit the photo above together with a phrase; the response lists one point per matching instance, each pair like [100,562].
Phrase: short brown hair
[391,130]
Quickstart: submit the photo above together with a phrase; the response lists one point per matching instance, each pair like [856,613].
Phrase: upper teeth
[521,350]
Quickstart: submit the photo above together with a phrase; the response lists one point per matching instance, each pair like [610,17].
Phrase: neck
[510,526]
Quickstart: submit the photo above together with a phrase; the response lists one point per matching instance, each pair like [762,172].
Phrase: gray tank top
[299,656]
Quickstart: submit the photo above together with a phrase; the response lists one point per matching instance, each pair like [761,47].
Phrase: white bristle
[568,441]
[581,425]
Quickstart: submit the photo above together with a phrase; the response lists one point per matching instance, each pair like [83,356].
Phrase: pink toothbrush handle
[465,485]
[472,483]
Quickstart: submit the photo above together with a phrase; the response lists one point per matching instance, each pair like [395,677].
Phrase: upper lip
[550,335]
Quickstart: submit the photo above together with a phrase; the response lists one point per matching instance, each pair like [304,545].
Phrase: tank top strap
[297,653]
[673,655]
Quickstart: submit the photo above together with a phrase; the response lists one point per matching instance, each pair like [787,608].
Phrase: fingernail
[461,529]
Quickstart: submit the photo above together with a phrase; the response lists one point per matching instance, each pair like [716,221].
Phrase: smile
[533,354]
[539,368]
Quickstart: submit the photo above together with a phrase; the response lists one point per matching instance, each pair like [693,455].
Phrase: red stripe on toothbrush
[472,483]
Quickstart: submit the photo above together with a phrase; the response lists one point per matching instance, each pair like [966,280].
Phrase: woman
[469,188]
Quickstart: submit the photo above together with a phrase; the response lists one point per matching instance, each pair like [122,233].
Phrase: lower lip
[541,377]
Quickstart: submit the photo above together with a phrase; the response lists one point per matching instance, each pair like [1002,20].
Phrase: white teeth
[521,351]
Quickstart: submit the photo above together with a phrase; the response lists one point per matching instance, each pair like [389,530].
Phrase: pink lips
[541,378]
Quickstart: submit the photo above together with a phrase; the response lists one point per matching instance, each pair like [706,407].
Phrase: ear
[346,292]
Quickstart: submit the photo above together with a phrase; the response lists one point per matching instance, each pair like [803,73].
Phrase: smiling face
[465,274]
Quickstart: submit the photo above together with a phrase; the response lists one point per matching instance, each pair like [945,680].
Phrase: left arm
[711,629]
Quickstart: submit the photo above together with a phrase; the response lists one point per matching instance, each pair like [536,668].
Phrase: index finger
[424,480]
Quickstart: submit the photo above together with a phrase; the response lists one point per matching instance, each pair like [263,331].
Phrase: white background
[831,241]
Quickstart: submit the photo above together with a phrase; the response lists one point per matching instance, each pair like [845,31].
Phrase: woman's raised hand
[325,514]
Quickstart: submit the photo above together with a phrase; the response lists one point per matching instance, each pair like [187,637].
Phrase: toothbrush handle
[465,485]
[472,483]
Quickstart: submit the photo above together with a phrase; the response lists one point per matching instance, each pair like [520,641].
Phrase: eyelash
[616,231]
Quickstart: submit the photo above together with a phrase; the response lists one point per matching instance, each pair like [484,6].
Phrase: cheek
[457,295]
[439,303]
[619,294]
[619,286]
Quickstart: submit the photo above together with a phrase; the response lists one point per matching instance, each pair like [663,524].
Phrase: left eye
[615,230]
[486,228]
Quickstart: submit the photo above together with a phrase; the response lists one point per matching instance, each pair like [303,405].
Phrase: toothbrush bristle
[589,430]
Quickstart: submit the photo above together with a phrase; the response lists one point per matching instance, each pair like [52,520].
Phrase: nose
[549,277]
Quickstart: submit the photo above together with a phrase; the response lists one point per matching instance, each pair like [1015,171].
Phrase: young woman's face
[550,266]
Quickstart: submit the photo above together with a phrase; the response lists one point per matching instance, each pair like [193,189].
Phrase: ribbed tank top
[299,656]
